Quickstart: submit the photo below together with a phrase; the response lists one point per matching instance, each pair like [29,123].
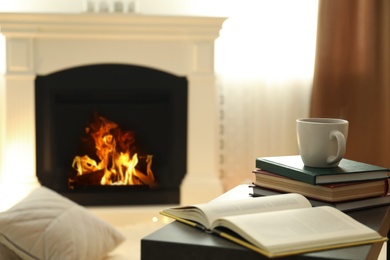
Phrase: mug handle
[341,146]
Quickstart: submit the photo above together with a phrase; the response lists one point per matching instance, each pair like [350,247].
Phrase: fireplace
[43,44]
[112,134]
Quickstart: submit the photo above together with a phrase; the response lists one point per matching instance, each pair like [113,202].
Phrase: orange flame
[117,157]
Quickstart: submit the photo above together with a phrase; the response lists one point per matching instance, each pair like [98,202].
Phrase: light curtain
[264,64]
[352,74]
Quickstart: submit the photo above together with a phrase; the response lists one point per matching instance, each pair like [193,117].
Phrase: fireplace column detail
[17,127]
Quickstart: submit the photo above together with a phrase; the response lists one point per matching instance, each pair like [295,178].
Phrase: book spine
[285,171]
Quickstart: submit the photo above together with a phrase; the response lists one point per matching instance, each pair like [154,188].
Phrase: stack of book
[351,185]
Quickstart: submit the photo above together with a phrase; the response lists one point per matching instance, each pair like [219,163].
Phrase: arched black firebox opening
[147,110]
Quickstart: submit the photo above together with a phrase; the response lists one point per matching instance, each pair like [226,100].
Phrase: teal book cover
[347,170]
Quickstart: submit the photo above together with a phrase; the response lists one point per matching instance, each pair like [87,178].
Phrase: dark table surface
[180,241]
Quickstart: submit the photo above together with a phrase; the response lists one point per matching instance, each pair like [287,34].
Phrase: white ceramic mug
[322,141]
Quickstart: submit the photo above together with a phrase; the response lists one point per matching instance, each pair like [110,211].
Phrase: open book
[278,225]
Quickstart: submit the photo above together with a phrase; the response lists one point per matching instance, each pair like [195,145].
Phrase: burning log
[118,158]
[84,165]
[92,179]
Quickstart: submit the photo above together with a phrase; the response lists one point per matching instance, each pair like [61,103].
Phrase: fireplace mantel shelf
[120,26]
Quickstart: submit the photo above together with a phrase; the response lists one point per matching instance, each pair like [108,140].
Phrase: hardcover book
[275,226]
[347,170]
[334,192]
[346,206]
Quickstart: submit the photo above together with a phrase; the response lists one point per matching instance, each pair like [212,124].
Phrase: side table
[180,241]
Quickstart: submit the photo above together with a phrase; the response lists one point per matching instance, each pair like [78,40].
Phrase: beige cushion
[46,225]
[6,253]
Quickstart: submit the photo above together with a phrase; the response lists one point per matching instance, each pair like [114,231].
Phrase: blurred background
[280,60]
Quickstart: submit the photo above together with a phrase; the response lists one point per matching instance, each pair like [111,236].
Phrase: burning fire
[118,161]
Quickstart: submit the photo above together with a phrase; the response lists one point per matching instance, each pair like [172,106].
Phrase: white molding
[19,55]
[113,26]
[203,57]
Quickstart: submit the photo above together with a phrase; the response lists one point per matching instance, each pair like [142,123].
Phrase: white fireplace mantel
[38,44]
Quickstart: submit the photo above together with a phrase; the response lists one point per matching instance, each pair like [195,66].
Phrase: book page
[298,229]
[206,213]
